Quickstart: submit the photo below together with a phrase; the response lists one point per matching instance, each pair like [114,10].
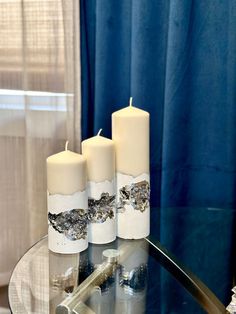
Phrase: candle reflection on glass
[63,277]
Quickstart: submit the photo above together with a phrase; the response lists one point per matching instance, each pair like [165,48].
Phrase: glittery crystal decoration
[231,308]
[137,195]
[100,210]
[72,223]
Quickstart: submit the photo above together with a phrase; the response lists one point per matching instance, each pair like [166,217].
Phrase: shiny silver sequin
[137,195]
[102,209]
[72,223]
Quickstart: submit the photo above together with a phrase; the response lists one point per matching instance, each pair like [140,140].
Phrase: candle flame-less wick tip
[99,132]
[130,101]
[66,145]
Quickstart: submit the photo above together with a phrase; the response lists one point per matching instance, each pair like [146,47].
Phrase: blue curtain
[177,59]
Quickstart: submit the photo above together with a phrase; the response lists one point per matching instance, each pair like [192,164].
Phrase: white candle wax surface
[67,202]
[100,155]
[65,237]
[66,173]
[130,132]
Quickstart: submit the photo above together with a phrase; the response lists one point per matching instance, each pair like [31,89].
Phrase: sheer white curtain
[39,110]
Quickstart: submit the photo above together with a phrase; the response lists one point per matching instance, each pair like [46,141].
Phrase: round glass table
[134,276]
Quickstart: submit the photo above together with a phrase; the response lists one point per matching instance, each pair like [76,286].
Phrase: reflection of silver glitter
[100,210]
[72,223]
[137,195]
[135,280]
[64,281]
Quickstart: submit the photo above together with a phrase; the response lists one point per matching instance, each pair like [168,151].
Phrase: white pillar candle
[100,155]
[67,202]
[130,132]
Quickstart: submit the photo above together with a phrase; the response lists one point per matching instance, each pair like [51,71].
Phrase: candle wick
[130,101]
[99,132]
[66,146]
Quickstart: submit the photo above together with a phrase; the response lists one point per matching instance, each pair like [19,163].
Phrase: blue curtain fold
[177,59]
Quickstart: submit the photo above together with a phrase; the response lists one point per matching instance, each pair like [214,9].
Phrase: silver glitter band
[136,194]
[72,223]
[102,209]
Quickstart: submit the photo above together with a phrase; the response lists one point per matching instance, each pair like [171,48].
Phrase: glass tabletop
[129,276]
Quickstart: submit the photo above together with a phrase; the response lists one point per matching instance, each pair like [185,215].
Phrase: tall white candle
[67,202]
[130,132]
[100,155]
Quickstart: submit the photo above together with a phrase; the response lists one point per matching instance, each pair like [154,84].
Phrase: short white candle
[99,152]
[66,173]
[66,182]
[100,155]
[130,132]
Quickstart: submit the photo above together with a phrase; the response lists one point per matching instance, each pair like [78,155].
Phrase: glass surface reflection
[125,276]
[119,287]
[63,277]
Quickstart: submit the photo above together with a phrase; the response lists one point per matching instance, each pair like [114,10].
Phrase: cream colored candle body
[66,173]
[100,155]
[130,132]
[67,202]
[99,152]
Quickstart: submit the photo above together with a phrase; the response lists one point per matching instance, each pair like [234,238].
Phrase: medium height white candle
[100,155]
[67,202]
[130,132]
